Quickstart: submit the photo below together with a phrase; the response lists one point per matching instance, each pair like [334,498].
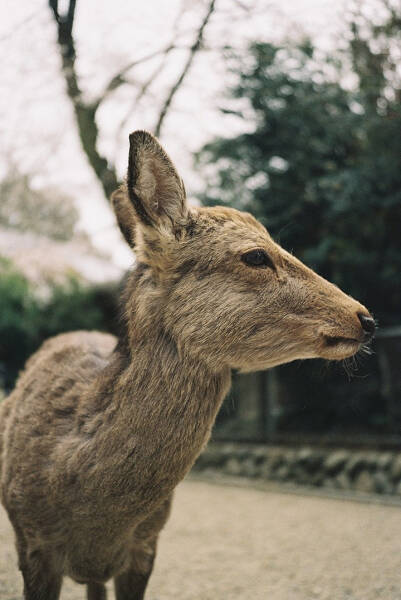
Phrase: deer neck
[157,418]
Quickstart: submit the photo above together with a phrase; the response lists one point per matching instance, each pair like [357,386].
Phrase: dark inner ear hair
[138,139]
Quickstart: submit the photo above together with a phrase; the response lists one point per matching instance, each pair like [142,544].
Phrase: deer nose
[368,326]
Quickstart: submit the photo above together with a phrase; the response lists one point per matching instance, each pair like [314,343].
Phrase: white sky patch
[257,181]
[39,133]
[278,163]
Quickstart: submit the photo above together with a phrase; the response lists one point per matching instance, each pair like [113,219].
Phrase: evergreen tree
[321,168]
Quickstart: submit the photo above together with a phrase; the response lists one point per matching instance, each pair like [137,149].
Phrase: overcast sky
[36,120]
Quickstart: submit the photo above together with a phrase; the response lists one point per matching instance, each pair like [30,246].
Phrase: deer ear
[155,189]
[125,214]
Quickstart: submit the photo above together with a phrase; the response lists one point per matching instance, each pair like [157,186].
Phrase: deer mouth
[333,341]
[339,347]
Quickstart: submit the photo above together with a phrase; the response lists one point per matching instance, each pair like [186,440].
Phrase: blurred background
[291,111]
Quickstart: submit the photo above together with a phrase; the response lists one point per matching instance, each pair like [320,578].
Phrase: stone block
[342,481]
[382,482]
[248,467]
[364,482]
[335,461]
[395,469]
[233,466]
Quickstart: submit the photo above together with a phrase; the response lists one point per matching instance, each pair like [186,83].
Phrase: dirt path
[230,543]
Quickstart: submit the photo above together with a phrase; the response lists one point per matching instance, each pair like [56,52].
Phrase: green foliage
[72,307]
[320,166]
[321,169]
[26,321]
[19,317]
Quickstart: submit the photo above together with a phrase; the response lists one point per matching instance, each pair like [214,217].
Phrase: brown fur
[96,436]
[124,214]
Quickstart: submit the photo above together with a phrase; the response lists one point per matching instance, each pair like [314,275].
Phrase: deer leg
[41,580]
[96,591]
[131,584]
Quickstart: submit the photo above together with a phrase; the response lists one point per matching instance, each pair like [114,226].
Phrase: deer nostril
[368,325]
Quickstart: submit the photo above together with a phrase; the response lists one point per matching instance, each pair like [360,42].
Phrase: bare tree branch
[119,78]
[193,51]
[84,112]
[138,97]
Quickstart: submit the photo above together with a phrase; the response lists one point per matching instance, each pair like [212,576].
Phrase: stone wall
[343,469]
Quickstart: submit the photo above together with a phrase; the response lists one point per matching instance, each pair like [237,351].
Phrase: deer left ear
[155,189]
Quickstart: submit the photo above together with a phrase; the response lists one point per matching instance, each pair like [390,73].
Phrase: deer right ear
[155,189]
[125,214]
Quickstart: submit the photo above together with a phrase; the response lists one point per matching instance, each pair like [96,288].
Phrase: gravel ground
[225,542]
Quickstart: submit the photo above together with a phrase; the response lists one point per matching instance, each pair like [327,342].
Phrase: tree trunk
[85,113]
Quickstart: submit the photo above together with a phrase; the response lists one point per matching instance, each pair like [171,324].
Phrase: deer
[99,430]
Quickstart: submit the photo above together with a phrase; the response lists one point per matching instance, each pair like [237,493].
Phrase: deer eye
[257,258]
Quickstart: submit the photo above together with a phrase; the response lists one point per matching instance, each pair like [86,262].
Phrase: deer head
[218,284]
